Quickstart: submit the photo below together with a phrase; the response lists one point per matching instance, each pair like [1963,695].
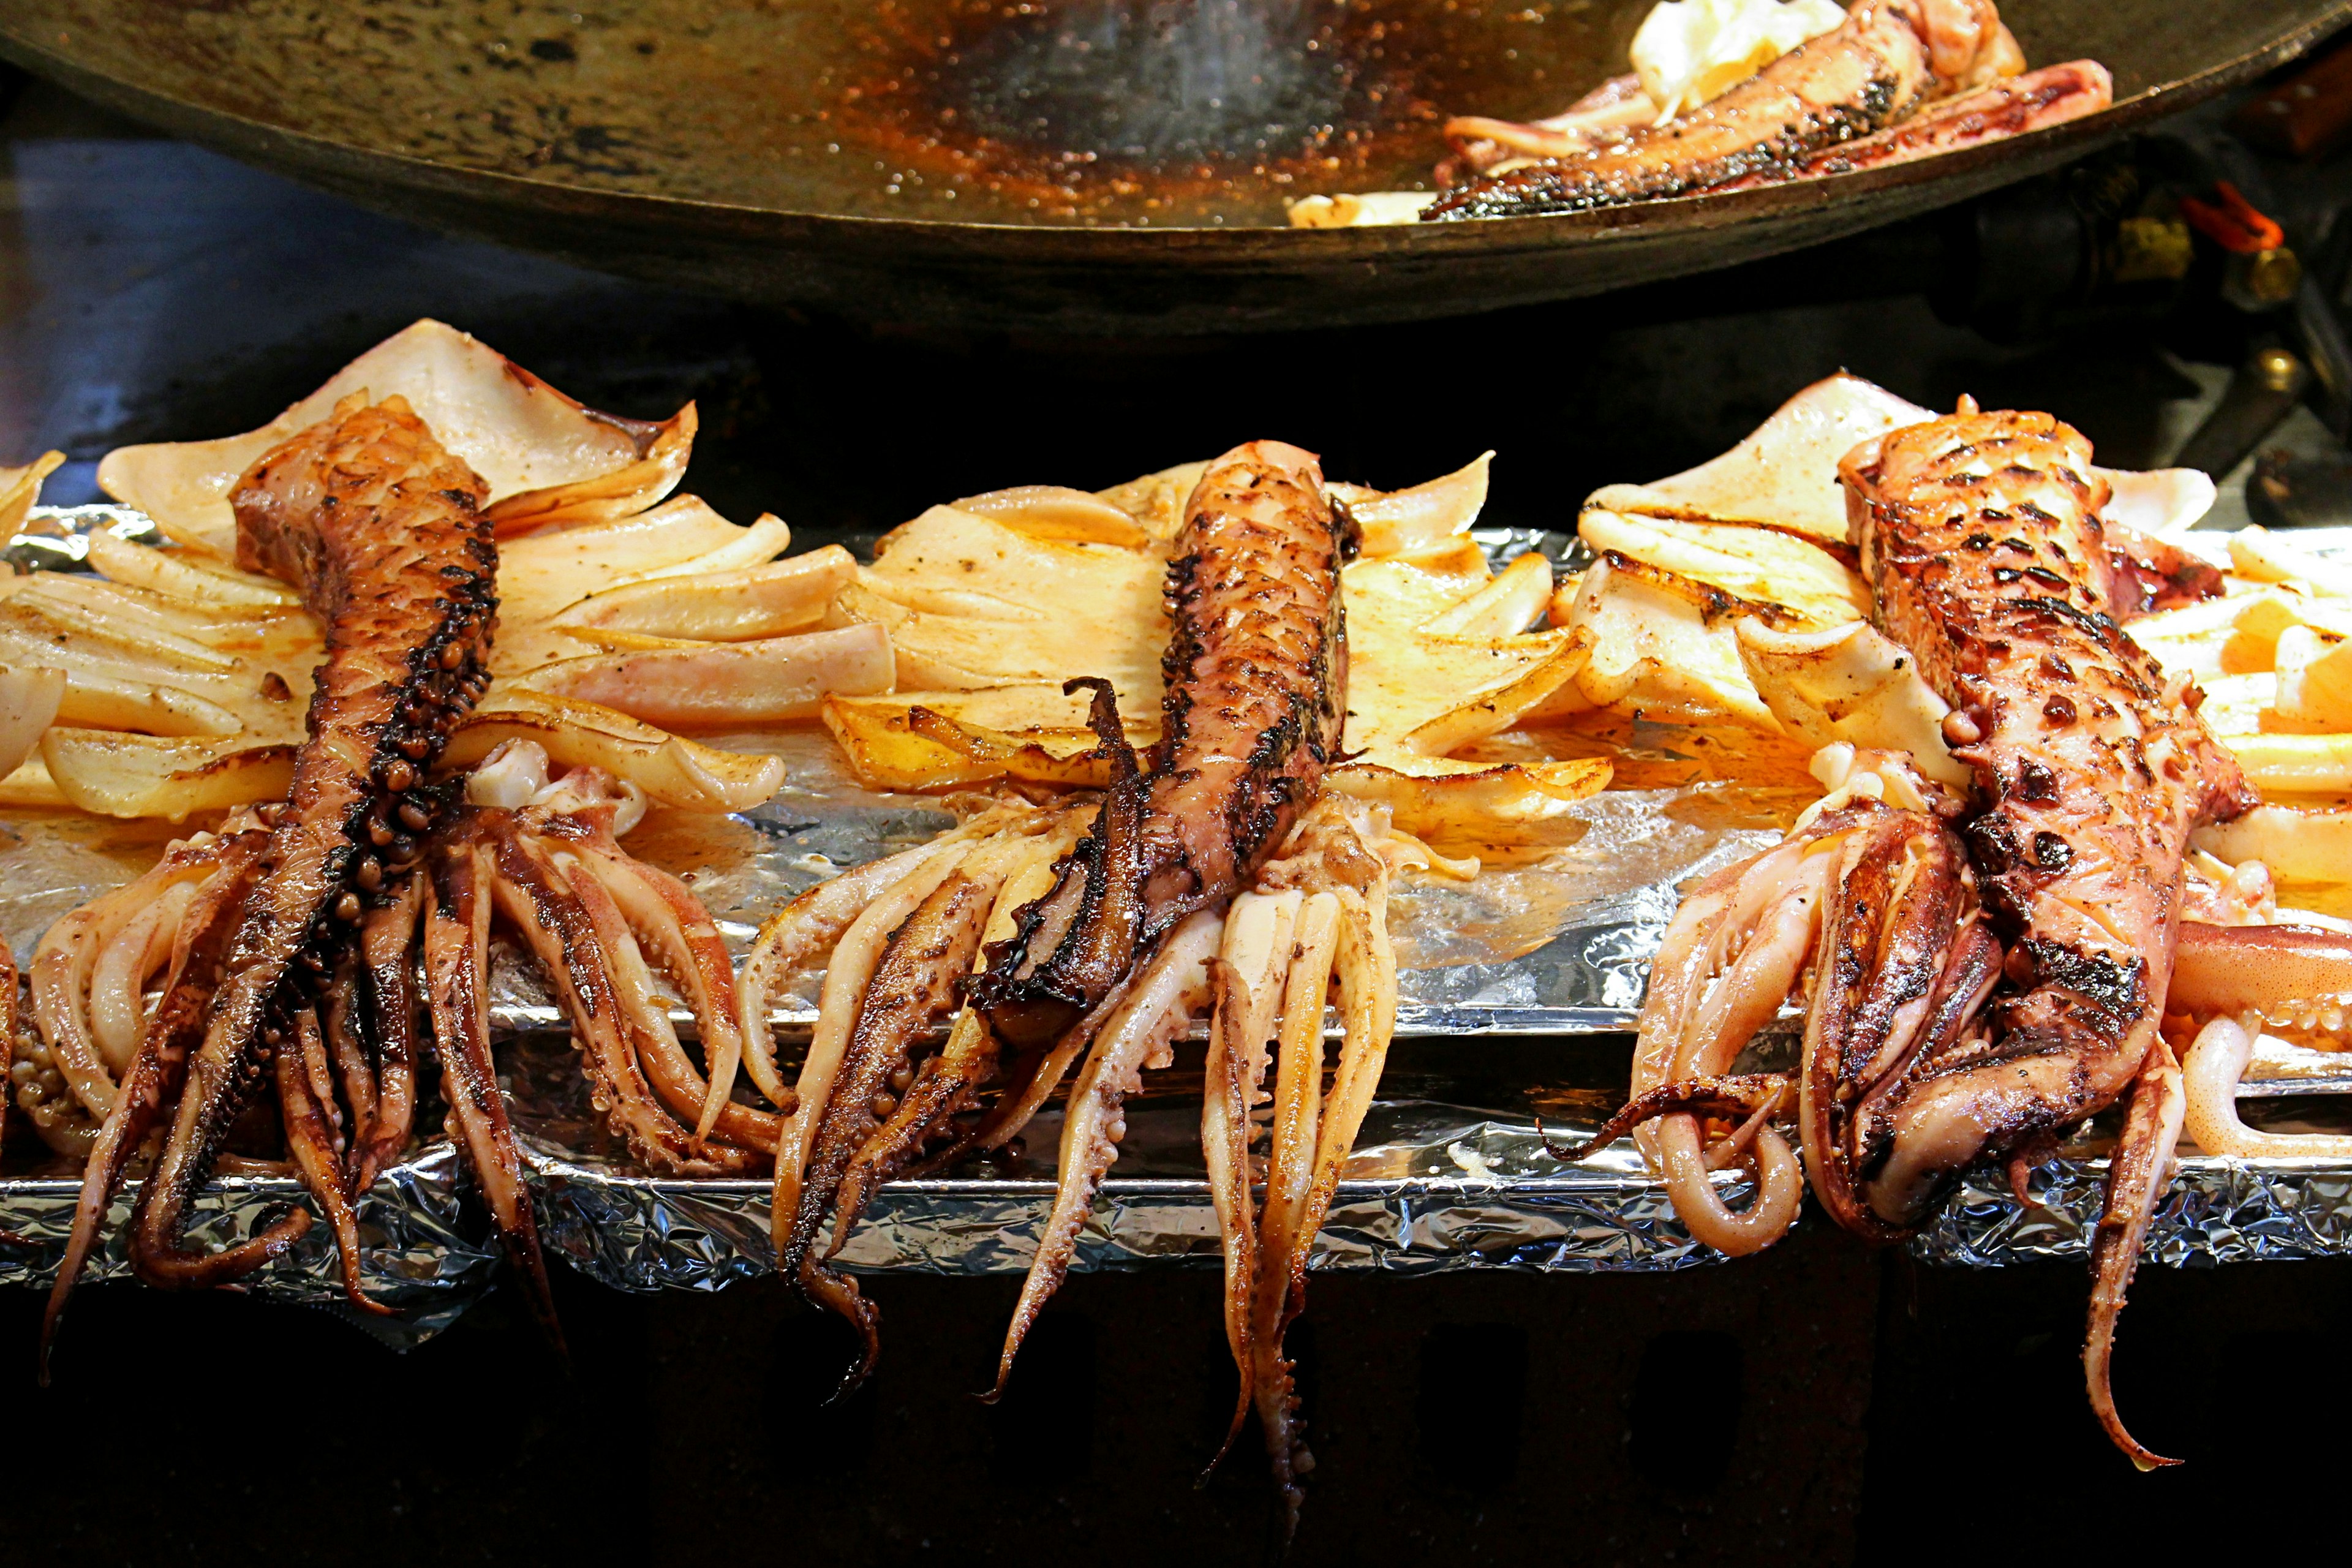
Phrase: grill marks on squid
[1104,961]
[1986,972]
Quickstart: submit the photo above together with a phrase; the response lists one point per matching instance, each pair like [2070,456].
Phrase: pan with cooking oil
[1072,165]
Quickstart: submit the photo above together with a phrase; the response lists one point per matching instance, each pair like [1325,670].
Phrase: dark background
[1819,1404]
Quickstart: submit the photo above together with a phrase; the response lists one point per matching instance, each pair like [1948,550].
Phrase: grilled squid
[287,945]
[1214,885]
[1254,672]
[384,533]
[1986,968]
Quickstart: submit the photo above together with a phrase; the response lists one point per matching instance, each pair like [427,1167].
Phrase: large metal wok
[1076,165]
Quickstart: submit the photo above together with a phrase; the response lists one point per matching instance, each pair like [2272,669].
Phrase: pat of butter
[1688,51]
[1479,1168]
[1359,210]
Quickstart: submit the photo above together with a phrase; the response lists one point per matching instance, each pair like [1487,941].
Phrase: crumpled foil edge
[420,1254]
[643,1235]
[2216,1211]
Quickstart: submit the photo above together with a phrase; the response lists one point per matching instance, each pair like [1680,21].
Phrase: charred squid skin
[1090,947]
[1255,658]
[1890,921]
[382,530]
[2033,101]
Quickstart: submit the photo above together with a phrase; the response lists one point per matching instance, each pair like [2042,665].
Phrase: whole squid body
[384,532]
[1986,968]
[327,948]
[1898,80]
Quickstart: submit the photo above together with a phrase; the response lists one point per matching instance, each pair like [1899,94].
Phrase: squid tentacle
[945,1085]
[1365,965]
[1740,1096]
[816,924]
[66,960]
[155,1075]
[949,1083]
[2294,979]
[913,988]
[1173,985]
[1095,924]
[1224,1149]
[1036,1076]
[306,1097]
[7,1048]
[2217,1060]
[1897,939]
[529,887]
[1289,1184]
[387,942]
[457,920]
[846,980]
[1733,953]
[2137,1172]
[119,978]
[1246,994]
[343,1036]
[692,952]
[644,1017]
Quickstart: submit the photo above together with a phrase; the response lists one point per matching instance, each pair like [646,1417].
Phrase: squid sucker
[1256,665]
[384,533]
[1987,971]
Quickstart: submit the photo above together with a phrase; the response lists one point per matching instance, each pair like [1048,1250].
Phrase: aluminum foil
[1557,947]
[1433,1185]
[2215,1211]
[422,1256]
